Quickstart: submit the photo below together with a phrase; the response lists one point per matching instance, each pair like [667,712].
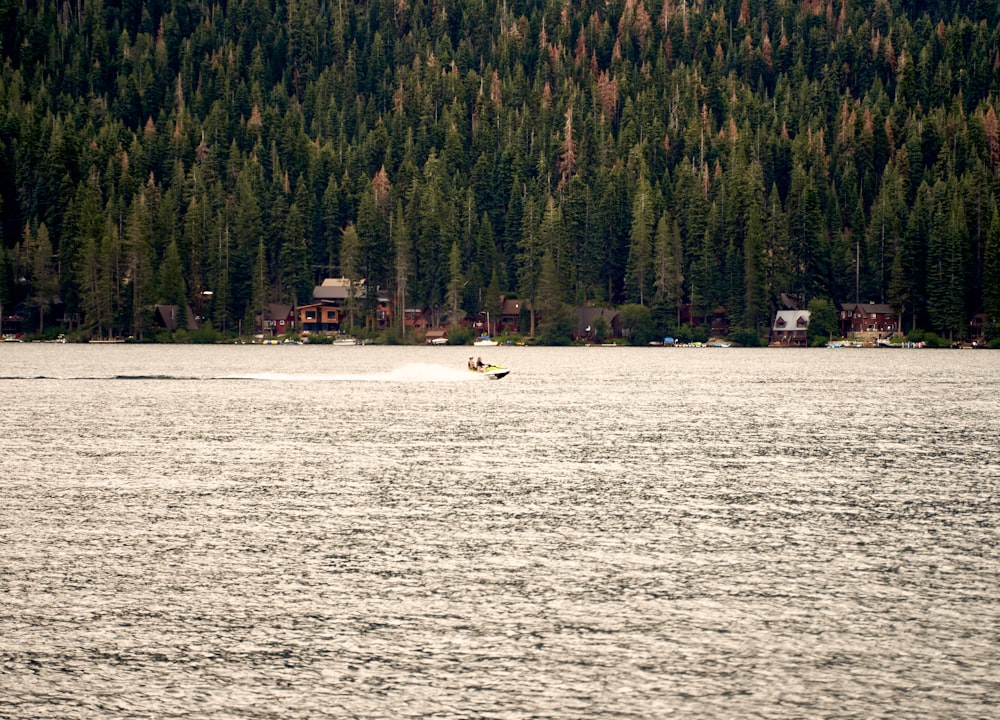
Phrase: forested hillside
[656,152]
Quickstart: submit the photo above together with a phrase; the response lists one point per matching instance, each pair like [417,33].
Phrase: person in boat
[471,363]
[480,364]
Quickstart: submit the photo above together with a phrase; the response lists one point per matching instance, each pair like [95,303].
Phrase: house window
[310,314]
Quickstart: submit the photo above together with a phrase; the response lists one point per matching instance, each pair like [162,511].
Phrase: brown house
[977,328]
[336,293]
[320,317]
[716,320]
[173,317]
[867,319]
[790,328]
[417,319]
[587,322]
[383,313]
[510,314]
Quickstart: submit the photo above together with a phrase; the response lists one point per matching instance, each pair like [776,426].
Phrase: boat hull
[493,372]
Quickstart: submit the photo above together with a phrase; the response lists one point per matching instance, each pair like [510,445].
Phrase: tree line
[670,154]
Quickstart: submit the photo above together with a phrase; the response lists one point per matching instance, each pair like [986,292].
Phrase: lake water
[373,532]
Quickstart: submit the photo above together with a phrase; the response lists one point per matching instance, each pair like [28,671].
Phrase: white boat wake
[414,372]
[411,373]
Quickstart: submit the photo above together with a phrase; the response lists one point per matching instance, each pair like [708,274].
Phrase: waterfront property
[867,321]
[790,328]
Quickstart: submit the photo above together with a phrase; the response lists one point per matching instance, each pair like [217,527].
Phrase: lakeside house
[333,303]
[867,321]
[587,323]
[790,328]
[277,319]
[172,317]
[510,314]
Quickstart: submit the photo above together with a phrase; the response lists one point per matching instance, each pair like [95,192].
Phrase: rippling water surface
[303,532]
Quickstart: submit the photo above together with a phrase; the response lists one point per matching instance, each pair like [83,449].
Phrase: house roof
[869,308]
[788,320]
[171,317]
[512,306]
[789,301]
[277,311]
[587,316]
[337,289]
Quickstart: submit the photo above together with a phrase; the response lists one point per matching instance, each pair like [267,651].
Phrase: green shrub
[747,337]
[460,335]
[389,336]
[932,340]
[205,335]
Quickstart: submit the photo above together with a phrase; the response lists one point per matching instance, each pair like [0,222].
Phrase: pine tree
[668,266]
[401,252]
[456,282]
[555,324]
[529,258]
[43,280]
[350,266]
[639,275]
[261,288]
[946,262]
[139,254]
[297,279]
[991,271]
[754,257]
[170,284]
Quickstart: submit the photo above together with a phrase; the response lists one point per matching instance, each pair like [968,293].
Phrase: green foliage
[822,321]
[390,336]
[991,271]
[601,329]
[931,339]
[637,324]
[205,335]
[747,337]
[459,335]
[558,326]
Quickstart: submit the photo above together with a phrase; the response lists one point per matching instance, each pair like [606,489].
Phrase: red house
[867,319]
[277,320]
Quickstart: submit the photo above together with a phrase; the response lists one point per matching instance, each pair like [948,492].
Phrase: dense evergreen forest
[659,153]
